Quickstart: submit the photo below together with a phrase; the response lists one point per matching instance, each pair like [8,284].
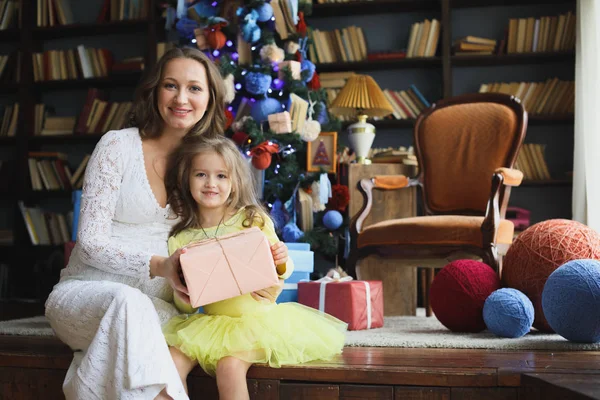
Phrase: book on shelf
[474,45]
[82,62]
[544,34]
[49,171]
[53,13]
[9,13]
[8,127]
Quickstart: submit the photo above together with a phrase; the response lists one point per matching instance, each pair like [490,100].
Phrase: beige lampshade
[361,94]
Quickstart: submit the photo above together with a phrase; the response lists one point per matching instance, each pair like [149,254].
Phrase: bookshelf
[387,24]
[21,256]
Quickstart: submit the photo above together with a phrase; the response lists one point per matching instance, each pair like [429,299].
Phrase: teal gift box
[304,264]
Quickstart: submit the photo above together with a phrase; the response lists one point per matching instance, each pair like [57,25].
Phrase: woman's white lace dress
[105,306]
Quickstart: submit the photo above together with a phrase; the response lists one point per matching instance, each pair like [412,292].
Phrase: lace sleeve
[101,190]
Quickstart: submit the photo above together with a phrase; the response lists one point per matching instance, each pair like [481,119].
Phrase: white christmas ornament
[272,53]
[229,88]
[311,131]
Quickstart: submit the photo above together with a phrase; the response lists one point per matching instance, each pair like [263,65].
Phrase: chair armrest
[511,177]
[491,221]
[366,186]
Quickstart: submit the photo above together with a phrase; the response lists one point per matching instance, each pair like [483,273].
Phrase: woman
[117,289]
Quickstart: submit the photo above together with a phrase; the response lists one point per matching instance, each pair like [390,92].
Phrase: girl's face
[183,95]
[210,181]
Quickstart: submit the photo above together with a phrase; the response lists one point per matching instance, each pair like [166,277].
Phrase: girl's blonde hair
[145,113]
[243,191]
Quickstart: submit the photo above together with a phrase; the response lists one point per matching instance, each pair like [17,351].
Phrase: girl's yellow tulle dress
[256,332]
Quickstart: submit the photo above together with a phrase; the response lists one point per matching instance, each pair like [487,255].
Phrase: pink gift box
[221,268]
[294,66]
[358,303]
[280,122]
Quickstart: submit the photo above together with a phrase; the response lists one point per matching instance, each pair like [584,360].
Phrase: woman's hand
[280,253]
[170,269]
[269,294]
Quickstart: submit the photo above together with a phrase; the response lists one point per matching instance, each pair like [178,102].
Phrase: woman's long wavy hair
[145,115]
[243,191]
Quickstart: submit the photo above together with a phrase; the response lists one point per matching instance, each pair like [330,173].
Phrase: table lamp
[361,97]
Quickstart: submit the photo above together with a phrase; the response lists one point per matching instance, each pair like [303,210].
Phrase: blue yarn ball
[291,233]
[332,220]
[277,214]
[258,83]
[571,301]
[265,12]
[307,69]
[508,313]
[265,107]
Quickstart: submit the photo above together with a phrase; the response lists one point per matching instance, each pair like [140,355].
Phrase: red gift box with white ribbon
[358,303]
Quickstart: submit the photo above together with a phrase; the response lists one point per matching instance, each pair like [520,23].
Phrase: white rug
[416,331]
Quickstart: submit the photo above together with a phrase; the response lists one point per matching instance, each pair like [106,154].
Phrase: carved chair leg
[351,263]
[430,272]
[490,257]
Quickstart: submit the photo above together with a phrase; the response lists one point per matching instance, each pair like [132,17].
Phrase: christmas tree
[275,103]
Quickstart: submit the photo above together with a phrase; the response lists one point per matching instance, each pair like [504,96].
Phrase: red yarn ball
[458,293]
[539,250]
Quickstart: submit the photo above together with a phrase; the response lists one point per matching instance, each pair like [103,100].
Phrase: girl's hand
[280,253]
[170,269]
[269,294]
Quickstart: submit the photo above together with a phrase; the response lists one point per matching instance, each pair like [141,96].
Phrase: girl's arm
[284,270]
[181,302]
[101,191]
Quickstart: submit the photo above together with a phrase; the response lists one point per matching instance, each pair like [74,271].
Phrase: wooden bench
[34,368]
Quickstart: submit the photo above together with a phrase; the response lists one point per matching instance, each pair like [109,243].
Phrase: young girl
[211,189]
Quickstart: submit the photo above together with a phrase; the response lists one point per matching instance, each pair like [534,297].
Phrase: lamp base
[361,136]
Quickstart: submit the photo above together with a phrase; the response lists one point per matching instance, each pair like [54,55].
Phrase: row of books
[407,104]
[50,170]
[553,97]
[532,163]
[99,115]
[86,62]
[121,10]
[423,39]
[46,125]
[340,45]
[556,33]
[46,228]
[8,126]
[54,12]
[9,13]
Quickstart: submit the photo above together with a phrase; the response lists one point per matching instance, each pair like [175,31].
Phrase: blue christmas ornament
[277,214]
[205,9]
[185,28]
[250,31]
[263,108]
[265,12]
[308,70]
[322,117]
[291,233]
[332,220]
[508,313]
[258,83]
[571,301]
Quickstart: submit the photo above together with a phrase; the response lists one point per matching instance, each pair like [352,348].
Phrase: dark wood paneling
[560,386]
[419,393]
[299,391]
[366,392]
[487,394]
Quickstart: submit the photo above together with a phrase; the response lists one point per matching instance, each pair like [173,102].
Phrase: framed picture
[321,153]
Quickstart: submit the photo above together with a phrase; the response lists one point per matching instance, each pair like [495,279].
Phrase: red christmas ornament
[301,26]
[315,83]
[240,138]
[228,118]
[215,38]
[262,154]
[340,198]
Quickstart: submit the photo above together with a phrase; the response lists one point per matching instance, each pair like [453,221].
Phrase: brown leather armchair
[466,147]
